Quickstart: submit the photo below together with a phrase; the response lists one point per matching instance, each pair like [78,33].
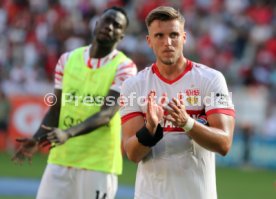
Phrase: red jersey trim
[127,117]
[59,73]
[156,71]
[172,129]
[131,65]
[122,74]
[196,112]
[225,111]
[58,78]
[99,63]
[89,63]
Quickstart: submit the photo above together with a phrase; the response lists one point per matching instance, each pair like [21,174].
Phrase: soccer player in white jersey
[160,109]
[85,166]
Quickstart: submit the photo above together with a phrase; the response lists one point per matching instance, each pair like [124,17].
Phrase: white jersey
[177,167]
[125,69]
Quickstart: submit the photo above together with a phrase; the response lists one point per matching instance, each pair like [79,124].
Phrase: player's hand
[57,136]
[176,113]
[27,148]
[154,114]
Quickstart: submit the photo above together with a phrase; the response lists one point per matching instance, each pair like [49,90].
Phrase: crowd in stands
[236,37]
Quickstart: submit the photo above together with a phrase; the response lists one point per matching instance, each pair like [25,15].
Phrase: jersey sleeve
[217,98]
[129,106]
[59,71]
[125,70]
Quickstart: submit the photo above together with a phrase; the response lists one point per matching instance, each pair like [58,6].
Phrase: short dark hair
[119,9]
[164,13]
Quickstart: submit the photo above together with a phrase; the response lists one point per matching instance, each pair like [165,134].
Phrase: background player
[86,166]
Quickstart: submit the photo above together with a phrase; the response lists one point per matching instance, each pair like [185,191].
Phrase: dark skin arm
[28,146]
[51,118]
[103,117]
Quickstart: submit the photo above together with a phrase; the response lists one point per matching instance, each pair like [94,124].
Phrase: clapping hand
[177,113]
[154,113]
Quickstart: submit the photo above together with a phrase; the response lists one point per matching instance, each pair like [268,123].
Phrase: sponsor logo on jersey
[222,99]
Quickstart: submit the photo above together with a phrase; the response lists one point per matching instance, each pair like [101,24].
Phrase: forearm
[213,139]
[92,123]
[140,143]
[134,150]
[99,119]
[51,118]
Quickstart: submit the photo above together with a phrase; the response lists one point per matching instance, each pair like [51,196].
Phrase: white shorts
[60,182]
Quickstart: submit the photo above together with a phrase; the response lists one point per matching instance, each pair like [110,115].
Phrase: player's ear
[148,41]
[122,36]
[184,37]
[95,26]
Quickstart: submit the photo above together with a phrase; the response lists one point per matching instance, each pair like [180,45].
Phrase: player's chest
[187,90]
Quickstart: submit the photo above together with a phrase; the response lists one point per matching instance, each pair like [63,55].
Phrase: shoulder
[80,51]
[68,54]
[143,75]
[205,72]
[126,67]
[137,81]
[126,58]
[125,61]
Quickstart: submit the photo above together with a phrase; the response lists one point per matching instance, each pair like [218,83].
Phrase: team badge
[192,100]
[192,96]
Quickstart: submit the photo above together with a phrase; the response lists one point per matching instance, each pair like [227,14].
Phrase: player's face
[166,38]
[110,27]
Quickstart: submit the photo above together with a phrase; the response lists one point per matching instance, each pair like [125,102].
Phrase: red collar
[156,71]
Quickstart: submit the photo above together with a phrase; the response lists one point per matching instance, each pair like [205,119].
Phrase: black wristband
[145,137]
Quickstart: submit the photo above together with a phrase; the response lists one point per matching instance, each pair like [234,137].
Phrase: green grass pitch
[232,183]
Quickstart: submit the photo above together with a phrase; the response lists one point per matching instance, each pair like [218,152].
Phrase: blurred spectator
[247,132]
[269,129]
[237,37]
[4,118]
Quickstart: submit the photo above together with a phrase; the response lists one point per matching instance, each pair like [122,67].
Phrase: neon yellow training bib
[82,95]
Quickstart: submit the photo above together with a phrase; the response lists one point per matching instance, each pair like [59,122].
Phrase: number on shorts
[99,195]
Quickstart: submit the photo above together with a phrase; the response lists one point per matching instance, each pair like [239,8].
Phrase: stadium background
[236,37]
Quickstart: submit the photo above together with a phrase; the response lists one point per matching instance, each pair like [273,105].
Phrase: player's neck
[99,51]
[171,72]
